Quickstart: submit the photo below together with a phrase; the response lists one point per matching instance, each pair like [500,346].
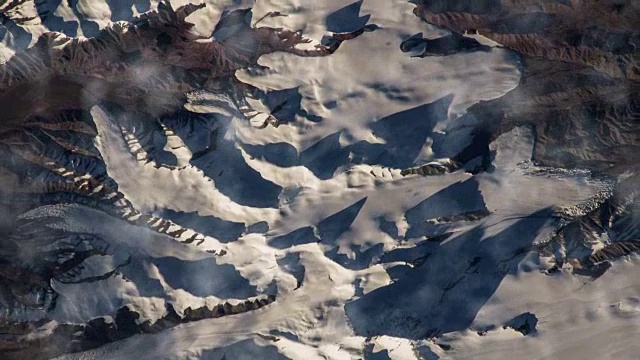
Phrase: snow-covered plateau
[330,179]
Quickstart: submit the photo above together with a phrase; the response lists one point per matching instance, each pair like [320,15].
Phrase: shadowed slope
[445,293]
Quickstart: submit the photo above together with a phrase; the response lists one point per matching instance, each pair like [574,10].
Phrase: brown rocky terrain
[580,77]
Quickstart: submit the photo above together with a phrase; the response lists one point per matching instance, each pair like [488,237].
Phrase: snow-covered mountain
[288,179]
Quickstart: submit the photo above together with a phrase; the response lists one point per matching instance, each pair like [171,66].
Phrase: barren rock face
[586,112]
[602,35]
[328,180]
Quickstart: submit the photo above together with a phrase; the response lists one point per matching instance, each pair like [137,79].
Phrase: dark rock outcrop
[525,323]
[65,338]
